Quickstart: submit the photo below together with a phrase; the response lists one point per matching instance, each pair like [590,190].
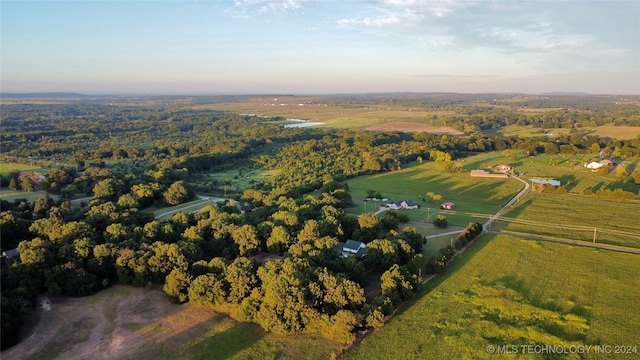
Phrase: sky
[319,47]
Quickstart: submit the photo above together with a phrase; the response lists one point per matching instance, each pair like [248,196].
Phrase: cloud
[244,9]
[508,27]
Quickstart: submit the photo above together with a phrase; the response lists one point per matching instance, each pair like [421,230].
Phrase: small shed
[504,167]
[448,205]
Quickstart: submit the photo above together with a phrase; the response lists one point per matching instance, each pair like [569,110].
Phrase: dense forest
[129,159]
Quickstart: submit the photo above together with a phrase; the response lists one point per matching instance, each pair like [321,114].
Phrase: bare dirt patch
[118,323]
[413,127]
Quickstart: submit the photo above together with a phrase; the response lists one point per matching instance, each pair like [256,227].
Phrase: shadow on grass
[568,181]
[456,264]
[226,344]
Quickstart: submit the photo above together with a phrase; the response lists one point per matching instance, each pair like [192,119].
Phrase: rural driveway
[513,200]
[201,197]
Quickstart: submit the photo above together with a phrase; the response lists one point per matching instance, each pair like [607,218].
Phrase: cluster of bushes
[548,188]
[610,194]
[437,263]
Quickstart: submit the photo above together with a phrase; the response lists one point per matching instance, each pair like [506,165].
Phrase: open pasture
[569,169]
[475,198]
[509,291]
[575,217]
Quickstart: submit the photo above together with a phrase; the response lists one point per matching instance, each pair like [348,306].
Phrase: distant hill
[43,95]
[560,93]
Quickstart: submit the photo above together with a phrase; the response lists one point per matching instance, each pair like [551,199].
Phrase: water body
[298,123]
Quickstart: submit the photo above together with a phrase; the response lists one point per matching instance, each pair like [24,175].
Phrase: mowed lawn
[6,168]
[11,195]
[475,198]
[510,291]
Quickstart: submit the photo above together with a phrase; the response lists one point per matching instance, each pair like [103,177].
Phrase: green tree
[279,240]
[241,277]
[26,184]
[107,188]
[177,284]
[13,184]
[208,289]
[247,240]
[179,192]
[440,221]
[381,254]
[398,279]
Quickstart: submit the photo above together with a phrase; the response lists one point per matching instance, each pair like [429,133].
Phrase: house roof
[10,253]
[354,245]
[448,203]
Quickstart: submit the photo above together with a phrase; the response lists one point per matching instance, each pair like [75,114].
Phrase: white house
[405,204]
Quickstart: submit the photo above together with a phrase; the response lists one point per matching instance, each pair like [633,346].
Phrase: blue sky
[307,47]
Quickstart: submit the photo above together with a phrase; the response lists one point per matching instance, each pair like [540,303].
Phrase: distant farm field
[509,291]
[330,113]
[124,322]
[615,132]
[475,198]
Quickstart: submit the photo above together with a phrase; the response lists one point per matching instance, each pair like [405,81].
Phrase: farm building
[593,165]
[405,204]
[448,205]
[34,176]
[607,163]
[504,167]
[484,173]
[352,248]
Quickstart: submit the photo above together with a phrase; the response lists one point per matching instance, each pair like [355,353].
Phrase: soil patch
[116,323]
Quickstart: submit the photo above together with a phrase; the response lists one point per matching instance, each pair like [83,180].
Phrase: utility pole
[594,235]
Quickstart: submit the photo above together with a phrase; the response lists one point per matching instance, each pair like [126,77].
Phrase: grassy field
[236,180]
[10,195]
[475,198]
[569,169]
[616,132]
[7,168]
[509,291]
[332,114]
[575,217]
